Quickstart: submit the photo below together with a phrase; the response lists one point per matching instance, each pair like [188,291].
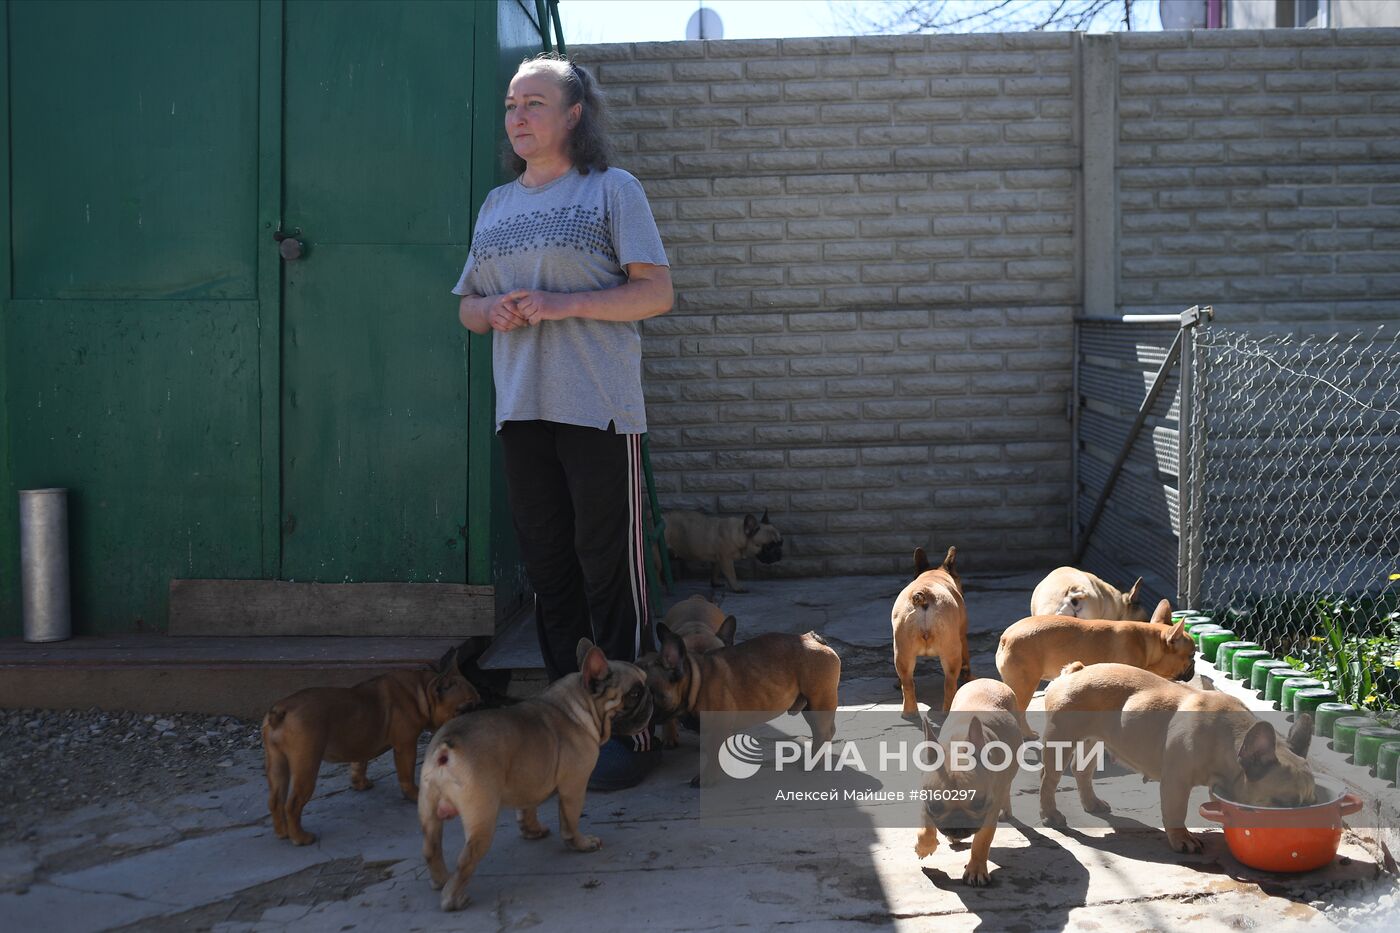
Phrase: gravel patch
[55,761]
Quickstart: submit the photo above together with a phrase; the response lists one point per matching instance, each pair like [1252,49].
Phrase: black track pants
[576,502]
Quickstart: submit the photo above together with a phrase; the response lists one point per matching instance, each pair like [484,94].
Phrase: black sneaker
[623,761]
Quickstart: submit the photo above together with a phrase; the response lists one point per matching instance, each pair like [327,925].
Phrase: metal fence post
[1073,415]
[1189,444]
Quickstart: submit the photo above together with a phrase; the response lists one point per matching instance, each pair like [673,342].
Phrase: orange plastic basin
[1283,839]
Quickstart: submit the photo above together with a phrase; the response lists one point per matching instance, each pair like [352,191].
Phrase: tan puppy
[522,755]
[722,541]
[354,724]
[929,619]
[1070,592]
[1035,649]
[960,802]
[703,626]
[1174,734]
[757,679]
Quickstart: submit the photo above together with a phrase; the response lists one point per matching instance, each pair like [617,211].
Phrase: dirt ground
[56,761]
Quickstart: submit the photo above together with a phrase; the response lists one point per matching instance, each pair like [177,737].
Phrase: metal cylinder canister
[43,549]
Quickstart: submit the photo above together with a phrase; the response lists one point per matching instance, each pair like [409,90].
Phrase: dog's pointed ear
[1162,615]
[448,660]
[930,730]
[750,525]
[581,652]
[1178,631]
[1257,752]
[672,648]
[949,558]
[1300,736]
[725,632]
[1135,590]
[976,734]
[920,560]
[594,668]
[764,519]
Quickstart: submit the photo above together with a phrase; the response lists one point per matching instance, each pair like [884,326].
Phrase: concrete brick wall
[879,245]
[1260,171]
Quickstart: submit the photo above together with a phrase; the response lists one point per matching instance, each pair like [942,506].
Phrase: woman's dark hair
[589,148]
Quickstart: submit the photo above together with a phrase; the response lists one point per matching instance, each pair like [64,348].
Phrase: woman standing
[564,261]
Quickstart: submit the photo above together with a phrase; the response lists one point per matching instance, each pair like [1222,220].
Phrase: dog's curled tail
[818,638]
[1071,667]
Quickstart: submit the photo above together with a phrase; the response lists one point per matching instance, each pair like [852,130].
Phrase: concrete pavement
[210,861]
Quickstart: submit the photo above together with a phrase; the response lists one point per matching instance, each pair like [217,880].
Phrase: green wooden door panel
[374,418]
[134,149]
[378,121]
[377,135]
[148,413]
[130,358]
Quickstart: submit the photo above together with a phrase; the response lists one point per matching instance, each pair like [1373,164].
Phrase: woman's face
[537,122]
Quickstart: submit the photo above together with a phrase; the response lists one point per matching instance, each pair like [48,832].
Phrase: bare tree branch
[922,16]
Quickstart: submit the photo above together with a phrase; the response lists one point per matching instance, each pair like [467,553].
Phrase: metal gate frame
[1182,352]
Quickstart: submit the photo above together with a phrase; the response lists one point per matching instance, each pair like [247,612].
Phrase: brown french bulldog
[757,679]
[722,541]
[1067,591]
[522,755]
[1175,734]
[930,619]
[703,626]
[1037,648]
[961,802]
[354,724]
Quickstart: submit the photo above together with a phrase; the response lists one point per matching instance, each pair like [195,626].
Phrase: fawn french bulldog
[354,724]
[722,541]
[1177,735]
[519,756]
[1067,591]
[930,619]
[1037,648]
[962,802]
[757,679]
[703,626]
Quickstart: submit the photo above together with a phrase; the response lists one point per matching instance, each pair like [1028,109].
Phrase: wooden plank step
[213,608]
[237,676]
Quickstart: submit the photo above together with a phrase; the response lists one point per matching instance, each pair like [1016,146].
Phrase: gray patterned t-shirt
[574,234]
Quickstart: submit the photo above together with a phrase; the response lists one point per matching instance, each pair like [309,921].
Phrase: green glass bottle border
[1368,743]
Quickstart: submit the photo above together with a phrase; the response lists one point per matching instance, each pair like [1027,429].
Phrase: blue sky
[587,21]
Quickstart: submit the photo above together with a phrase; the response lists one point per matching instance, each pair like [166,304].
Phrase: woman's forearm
[637,300]
[472,312]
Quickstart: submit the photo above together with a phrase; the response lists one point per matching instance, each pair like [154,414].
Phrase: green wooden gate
[215,410]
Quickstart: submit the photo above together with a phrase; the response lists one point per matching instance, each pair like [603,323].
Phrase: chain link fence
[1293,483]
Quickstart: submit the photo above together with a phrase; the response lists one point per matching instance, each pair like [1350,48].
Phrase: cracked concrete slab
[55,908]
